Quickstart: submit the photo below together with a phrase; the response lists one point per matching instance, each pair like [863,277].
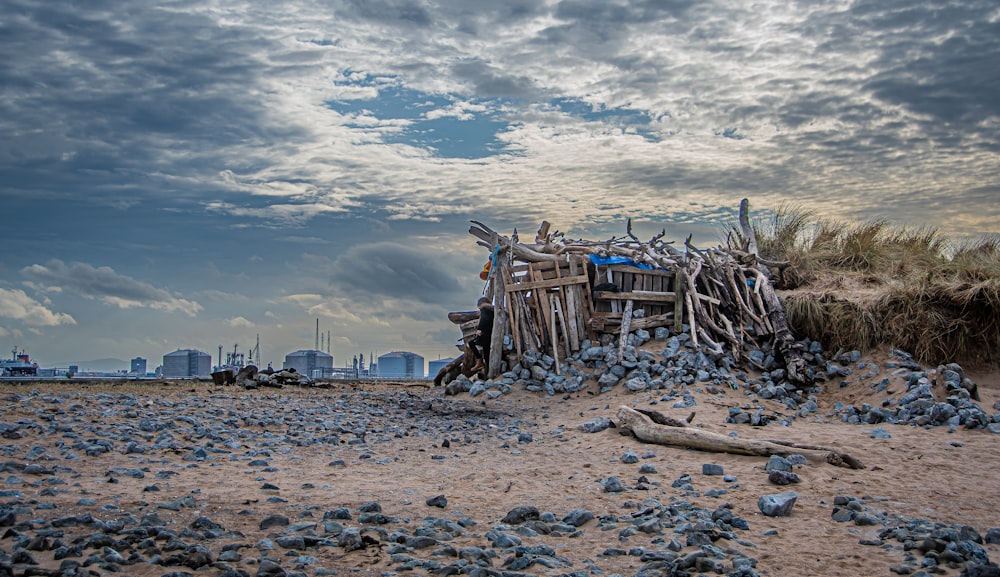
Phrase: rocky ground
[520,475]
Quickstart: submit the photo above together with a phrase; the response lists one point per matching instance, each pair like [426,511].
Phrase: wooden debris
[676,433]
[556,292]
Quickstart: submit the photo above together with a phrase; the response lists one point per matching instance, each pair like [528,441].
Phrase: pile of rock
[681,365]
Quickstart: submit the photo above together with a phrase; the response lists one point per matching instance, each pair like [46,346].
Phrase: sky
[185,174]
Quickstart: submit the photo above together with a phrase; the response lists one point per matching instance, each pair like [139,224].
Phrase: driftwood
[655,428]
[783,337]
[724,295]
[460,317]
[462,365]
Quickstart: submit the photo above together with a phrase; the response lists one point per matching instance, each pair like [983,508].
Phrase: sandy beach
[397,478]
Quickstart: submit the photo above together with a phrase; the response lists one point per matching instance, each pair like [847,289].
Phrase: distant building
[311,363]
[187,363]
[138,366]
[434,367]
[401,365]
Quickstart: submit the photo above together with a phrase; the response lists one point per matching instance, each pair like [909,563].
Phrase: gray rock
[437,501]
[777,505]
[350,539]
[274,521]
[778,477]
[629,458]
[595,425]
[712,469]
[612,485]
[577,517]
[519,515]
[776,463]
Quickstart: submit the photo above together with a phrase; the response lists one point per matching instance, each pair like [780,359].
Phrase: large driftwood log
[784,339]
[675,434]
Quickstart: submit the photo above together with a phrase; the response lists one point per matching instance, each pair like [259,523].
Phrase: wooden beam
[548,283]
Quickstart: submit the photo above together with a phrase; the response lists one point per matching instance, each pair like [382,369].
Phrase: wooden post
[678,300]
[501,322]
[626,328]
[561,316]
[555,338]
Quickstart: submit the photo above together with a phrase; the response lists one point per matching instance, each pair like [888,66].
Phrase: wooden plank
[501,324]
[635,269]
[515,328]
[562,322]
[678,303]
[613,325]
[650,296]
[636,296]
[658,281]
[615,305]
[542,302]
[555,338]
[547,283]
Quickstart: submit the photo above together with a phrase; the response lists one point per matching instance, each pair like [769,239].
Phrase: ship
[19,365]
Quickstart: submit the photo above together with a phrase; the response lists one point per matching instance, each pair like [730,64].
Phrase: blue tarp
[599,260]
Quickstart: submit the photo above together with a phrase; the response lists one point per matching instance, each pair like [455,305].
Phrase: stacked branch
[724,295]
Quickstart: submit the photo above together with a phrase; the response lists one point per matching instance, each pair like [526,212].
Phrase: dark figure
[484,335]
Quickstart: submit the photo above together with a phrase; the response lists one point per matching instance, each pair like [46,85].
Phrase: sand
[475,451]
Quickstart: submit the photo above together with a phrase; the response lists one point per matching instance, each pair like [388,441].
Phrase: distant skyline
[187,174]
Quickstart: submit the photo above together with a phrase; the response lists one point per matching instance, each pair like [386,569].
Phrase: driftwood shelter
[554,293]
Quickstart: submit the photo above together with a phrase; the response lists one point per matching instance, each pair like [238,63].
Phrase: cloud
[108,286]
[387,269]
[15,304]
[239,323]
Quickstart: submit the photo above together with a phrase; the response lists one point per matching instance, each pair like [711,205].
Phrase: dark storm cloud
[111,100]
[386,269]
[936,59]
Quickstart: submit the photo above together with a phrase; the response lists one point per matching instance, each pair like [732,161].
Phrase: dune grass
[871,284]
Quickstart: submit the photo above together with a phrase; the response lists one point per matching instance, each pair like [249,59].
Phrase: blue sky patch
[629,119]
[472,136]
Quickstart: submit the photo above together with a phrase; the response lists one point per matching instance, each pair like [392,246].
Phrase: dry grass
[871,284]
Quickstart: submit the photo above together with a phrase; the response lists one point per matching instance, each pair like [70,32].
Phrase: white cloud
[239,323]
[16,304]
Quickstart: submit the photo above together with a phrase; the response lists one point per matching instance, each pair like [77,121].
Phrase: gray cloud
[104,284]
[193,143]
[371,272]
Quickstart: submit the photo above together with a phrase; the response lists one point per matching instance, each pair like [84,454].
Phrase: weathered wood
[626,329]
[613,323]
[460,317]
[727,291]
[546,284]
[554,337]
[559,316]
[784,339]
[648,296]
[501,324]
[543,232]
[645,429]
[678,302]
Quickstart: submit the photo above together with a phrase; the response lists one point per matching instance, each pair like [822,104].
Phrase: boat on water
[19,365]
